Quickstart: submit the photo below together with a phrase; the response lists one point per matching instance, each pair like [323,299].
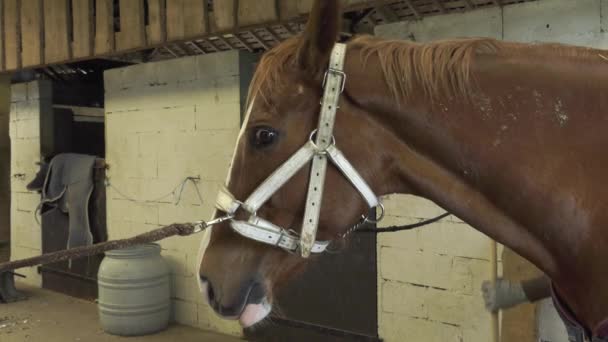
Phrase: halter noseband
[320,147]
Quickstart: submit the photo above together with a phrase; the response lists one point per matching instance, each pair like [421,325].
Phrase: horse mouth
[251,313]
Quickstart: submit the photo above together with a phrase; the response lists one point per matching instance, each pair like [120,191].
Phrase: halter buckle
[335,72]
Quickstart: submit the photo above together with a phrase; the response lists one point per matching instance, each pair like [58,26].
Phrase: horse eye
[264,136]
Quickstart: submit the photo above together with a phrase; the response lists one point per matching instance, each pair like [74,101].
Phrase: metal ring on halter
[312,141]
[382,213]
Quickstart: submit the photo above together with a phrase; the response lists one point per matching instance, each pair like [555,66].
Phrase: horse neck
[448,156]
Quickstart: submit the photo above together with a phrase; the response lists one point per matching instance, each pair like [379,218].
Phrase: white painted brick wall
[429,279]
[27,99]
[164,122]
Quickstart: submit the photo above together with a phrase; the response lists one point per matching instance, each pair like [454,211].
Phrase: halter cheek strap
[320,149]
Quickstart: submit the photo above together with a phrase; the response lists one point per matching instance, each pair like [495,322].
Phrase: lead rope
[181,230]
[365,226]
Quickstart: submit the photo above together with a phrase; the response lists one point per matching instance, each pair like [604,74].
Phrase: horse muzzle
[249,305]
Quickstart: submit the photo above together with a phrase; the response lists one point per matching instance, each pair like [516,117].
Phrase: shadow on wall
[5,162]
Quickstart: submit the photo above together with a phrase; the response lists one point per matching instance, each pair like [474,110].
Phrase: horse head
[239,274]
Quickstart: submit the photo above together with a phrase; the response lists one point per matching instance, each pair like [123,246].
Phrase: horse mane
[438,69]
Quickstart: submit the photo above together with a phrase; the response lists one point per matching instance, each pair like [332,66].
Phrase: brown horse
[507,136]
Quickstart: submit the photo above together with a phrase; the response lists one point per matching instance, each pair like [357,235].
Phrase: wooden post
[494,274]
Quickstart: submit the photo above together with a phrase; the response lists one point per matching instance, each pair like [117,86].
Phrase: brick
[178,262]
[405,299]
[39,90]
[213,168]
[447,307]
[137,76]
[32,277]
[145,213]
[604,17]
[471,273]
[185,313]
[28,237]
[176,70]
[479,23]
[217,65]
[186,289]
[182,243]
[226,89]
[397,328]
[209,320]
[19,92]
[522,23]
[27,129]
[27,110]
[415,267]
[411,206]
[26,201]
[433,270]
[170,213]
[25,152]
[441,237]
[117,228]
[221,116]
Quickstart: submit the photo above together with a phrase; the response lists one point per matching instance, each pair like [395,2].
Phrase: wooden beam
[157,22]
[212,44]
[56,32]
[32,38]
[186,18]
[273,34]
[84,41]
[175,19]
[260,40]
[225,14]
[171,51]
[469,4]
[198,48]
[225,41]
[439,6]
[498,2]
[12,34]
[104,27]
[2,61]
[243,42]
[288,9]
[387,14]
[253,12]
[132,29]
[196,17]
[413,9]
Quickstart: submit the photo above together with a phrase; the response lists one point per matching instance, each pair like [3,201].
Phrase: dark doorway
[74,124]
[335,300]
[5,164]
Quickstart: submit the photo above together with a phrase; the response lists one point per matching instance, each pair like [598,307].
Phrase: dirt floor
[50,317]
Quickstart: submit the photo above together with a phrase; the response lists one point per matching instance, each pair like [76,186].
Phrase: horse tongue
[254,313]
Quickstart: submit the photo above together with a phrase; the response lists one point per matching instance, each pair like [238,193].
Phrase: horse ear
[321,34]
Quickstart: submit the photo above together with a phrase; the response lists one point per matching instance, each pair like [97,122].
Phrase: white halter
[319,150]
